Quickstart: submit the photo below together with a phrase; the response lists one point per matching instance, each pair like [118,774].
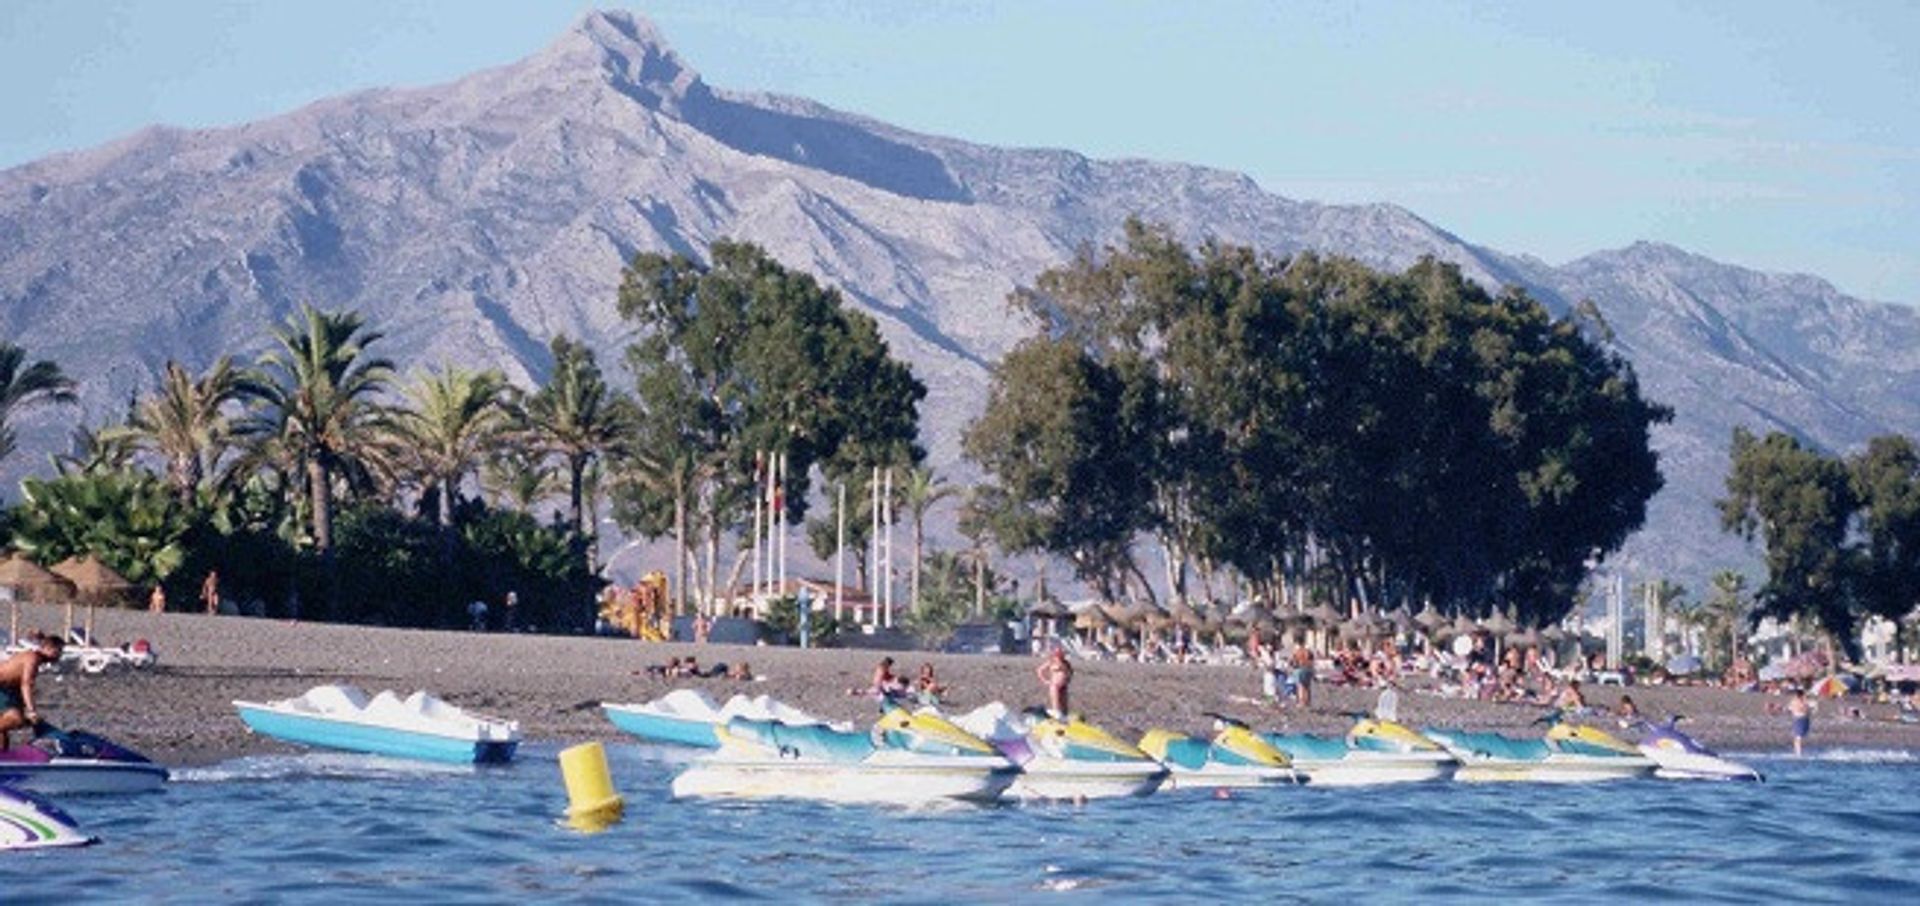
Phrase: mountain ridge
[477,217]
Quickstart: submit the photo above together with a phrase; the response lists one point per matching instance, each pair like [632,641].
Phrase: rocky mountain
[476,219]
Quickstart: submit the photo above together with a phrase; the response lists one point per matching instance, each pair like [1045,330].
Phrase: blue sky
[1781,136]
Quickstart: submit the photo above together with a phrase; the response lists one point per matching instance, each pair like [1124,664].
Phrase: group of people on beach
[689,668]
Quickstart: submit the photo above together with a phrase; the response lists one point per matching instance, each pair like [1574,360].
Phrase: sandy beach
[180,711]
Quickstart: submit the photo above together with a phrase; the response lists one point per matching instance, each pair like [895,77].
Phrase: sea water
[340,828]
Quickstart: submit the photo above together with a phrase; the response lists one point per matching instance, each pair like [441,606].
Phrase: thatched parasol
[1429,619]
[1554,634]
[26,579]
[1324,616]
[95,581]
[1093,617]
[1049,609]
[1464,625]
[1499,624]
[1262,619]
[1525,638]
[1184,614]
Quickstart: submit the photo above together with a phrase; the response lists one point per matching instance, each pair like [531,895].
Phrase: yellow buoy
[592,804]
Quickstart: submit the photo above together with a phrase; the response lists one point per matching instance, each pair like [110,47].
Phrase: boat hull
[354,737]
[679,731]
[894,784]
[1045,777]
[1217,776]
[1554,769]
[83,777]
[1680,765]
[1362,768]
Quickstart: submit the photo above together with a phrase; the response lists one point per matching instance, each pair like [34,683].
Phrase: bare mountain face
[477,219]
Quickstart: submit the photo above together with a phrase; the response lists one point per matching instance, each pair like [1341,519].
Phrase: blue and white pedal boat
[419,726]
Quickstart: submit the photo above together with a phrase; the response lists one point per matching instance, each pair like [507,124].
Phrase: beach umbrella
[1807,665]
[1498,624]
[1554,634]
[1684,665]
[26,579]
[1323,615]
[1358,628]
[1403,621]
[95,581]
[1830,687]
[1525,638]
[1184,614]
[1092,618]
[1429,619]
[1464,625]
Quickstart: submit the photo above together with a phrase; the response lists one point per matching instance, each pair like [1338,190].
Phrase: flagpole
[840,554]
[780,505]
[757,465]
[873,562]
[886,527]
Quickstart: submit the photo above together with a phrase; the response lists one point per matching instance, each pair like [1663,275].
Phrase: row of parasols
[83,580]
[1428,622]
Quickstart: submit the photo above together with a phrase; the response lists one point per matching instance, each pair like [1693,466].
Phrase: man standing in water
[1802,712]
[1055,674]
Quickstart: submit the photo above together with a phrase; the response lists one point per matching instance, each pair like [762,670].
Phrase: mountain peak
[630,53]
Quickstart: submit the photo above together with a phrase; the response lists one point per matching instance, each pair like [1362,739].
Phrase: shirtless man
[1055,674]
[16,686]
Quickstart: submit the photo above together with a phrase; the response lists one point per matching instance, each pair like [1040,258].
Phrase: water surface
[339,828]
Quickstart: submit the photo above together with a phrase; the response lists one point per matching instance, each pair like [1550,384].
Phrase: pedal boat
[906,759]
[687,717]
[1374,752]
[70,763]
[419,727]
[1677,756]
[1566,754]
[1235,757]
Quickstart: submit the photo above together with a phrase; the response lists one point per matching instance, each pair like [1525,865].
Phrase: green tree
[188,423]
[321,390]
[456,416]
[25,386]
[576,416]
[1798,503]
[1069,475]
[921,491]
[738,356]
[128,518]
[1726,611]
[1885,479]
[518,478]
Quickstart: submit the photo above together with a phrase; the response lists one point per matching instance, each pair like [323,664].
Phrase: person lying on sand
[16,686]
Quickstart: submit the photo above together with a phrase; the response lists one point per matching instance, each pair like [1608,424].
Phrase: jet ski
[30,822]
[1064,758]
[1235,757]
[74,762]
[1677,756]
[907,759]
[1373,752]
[1568,753]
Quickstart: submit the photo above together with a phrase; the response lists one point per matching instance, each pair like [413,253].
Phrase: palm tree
[455,417]
[24,385]
[1728,608]
[921,491]
[320,390]
[184,421]
[93,451]
[518,478]
[577,417]
[663,475]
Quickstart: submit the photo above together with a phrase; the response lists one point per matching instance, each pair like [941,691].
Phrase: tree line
[1840,534]
[1296,427]
[1308,427]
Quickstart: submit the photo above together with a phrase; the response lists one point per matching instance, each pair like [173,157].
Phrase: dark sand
[180,711]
